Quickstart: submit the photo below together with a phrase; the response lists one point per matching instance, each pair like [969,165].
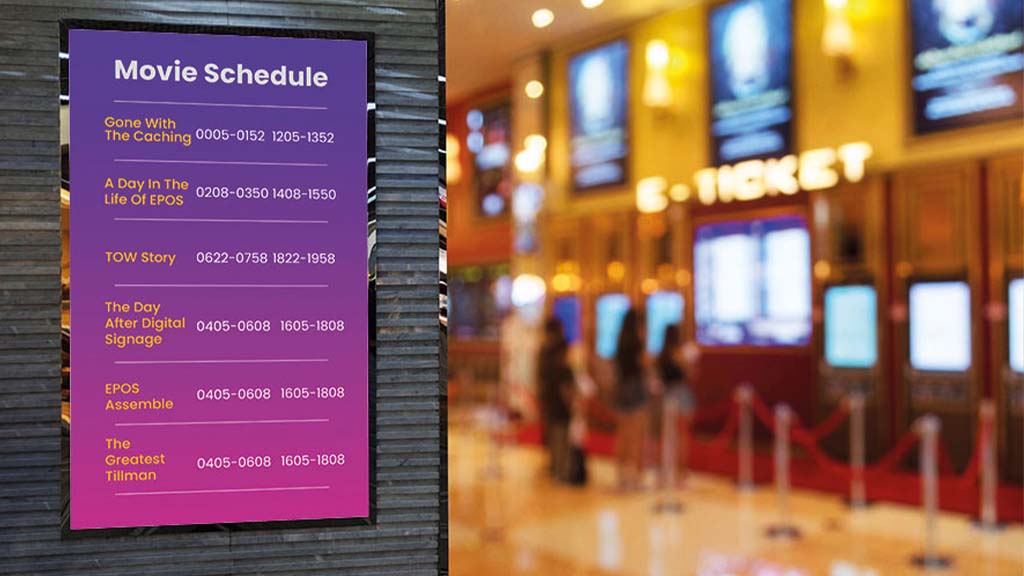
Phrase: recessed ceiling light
[588,4]
[543,18]
[534,89]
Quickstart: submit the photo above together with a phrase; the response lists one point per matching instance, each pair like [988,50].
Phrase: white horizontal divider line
[220,423]
[222,104]
[220,162]
[240,361]
[223,491]
[280,286]
[222,220]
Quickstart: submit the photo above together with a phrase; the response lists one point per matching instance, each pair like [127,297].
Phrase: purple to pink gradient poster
[219,292]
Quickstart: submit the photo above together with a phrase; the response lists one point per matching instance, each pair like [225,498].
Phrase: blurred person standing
[674,376]
[631,396]
[557,394]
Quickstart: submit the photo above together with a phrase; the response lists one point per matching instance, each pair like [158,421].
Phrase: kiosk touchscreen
[940,326]
[1016,323]
[567,310]
[753,283]
[663,310]
[611,310]
[851,327]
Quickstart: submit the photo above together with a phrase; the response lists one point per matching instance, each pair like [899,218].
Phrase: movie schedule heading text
[218,251]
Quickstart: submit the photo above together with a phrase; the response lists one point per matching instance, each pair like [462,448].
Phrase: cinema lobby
[825,198]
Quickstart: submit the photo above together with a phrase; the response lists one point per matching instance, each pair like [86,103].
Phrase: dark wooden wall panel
[411,499]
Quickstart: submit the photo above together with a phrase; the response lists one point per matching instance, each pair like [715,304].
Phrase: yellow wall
[870,105]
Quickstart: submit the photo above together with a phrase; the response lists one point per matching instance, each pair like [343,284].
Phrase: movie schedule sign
[219,303]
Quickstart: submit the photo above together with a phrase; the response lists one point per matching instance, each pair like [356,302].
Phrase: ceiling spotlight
[543,18]
[588,4]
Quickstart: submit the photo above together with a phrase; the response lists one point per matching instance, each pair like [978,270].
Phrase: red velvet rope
[969,479]
[721,441]
[897,453]
[809,439]
[946,466]
[828,426]
[763,412]
[714,413]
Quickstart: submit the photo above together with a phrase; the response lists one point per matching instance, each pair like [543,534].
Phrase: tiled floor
[508,518]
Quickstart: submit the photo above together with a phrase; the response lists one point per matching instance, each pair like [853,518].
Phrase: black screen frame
[369,38]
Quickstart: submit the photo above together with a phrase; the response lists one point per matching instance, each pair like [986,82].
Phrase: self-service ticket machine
[850,281]
[563,268]
[937,309]
[1005,309]
[611,246]
[663,273]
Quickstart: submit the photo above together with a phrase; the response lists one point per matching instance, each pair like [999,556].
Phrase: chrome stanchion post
[989,517]
[744,396]
[668,504]
[495,431]
[928,427]
[784,529]
[858,490]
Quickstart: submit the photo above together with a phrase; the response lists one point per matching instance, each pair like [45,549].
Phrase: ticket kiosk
[1005,310]
[937,309]
[610,243]
[664,272]
[850,283]
[563,268]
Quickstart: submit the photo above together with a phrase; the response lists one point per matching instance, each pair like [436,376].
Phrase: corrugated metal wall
[410,461]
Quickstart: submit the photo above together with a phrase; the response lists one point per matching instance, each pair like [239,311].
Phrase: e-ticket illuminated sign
[751,80]
[967,61]
[218,251]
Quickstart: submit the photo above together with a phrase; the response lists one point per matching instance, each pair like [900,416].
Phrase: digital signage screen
[967,62]
[567,310]
[480,300]
[752,283]
[598,111]
[940,326]
[611,311]
[664,309]
[219,255]
[851,326]
[1016,323]
[751,50]
[490,142]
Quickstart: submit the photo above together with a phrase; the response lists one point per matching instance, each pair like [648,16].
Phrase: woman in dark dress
[630,402]
[557,390]
[677,389]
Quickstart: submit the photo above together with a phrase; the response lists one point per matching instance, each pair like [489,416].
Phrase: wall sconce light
[837,39]
[534,89]
[453,159]
[533,156]
[616,271]
[528,290]
[657,88]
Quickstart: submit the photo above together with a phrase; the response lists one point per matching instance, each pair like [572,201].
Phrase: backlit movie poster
[967,62]
[598,84]
[751,80]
